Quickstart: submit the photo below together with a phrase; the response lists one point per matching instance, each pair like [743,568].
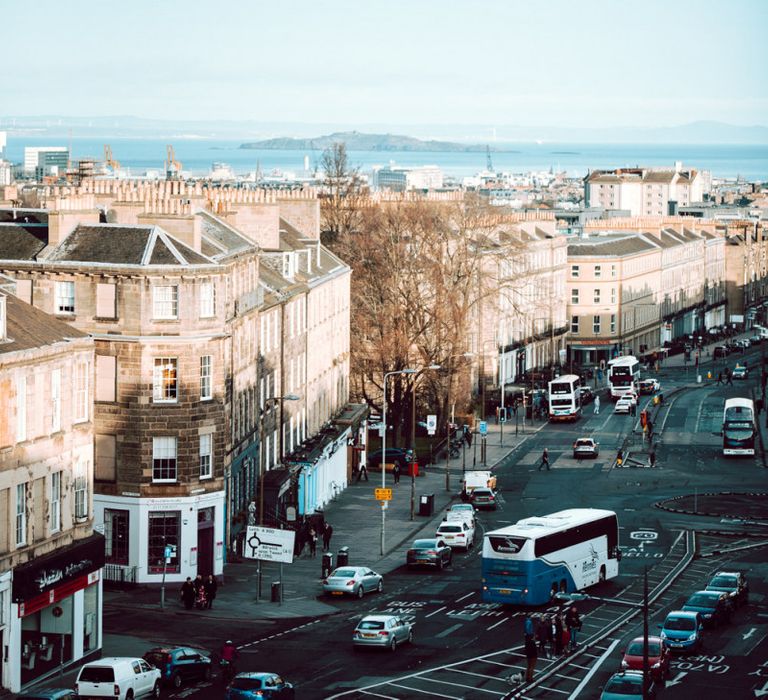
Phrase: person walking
[396,472]
[531,655]
[573,623]
[652,458]
[528,628]
[728,377]
[719,377]
[312,542]
[544,460]
[188,593]
[556,635]
[211,586]
[327,532]
[597,406]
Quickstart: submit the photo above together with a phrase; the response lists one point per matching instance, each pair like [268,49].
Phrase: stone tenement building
[50,560]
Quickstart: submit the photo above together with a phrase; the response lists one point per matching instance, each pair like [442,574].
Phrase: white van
[122,678]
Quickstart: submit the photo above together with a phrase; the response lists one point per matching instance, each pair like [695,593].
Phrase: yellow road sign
[383,494]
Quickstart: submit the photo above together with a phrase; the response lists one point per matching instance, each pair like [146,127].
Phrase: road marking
[677,679]
[755,645]
[496,624]
[436,611]
[472,673]
[420,690]
[464,597]
[749,634]
[450,630]
[377,695]
[459,685]
[593,670]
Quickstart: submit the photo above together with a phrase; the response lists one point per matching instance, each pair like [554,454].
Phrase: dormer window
[289,265]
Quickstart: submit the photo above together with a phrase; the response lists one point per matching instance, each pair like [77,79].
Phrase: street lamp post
[384,448]
[449,419]
[413,436]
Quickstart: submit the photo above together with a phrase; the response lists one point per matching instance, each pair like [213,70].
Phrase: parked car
[456,533]
[756,339]
[626,685]
[118,677]
[586,395]
[179,664]
[682,631]
[48,694]
[740,373]
[649,385]
[658,657]
[720,351]
[258,685]
[394,454]
[585,447]
[484,498]
[714,607]
[429,552]
[382,631]
[353,580]
[734,583]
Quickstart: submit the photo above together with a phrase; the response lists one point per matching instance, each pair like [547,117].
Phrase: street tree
[342,194]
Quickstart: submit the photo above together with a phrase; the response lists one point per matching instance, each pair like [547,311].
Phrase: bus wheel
[602,574]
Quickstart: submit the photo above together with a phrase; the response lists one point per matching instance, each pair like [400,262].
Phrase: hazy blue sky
[555,62]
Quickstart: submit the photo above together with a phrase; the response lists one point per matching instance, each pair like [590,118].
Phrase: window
[598,268]
[164,380]
[206,390]
[81,491]
[574,296]
[165,302]
[21,409]
[613,323]
[105,447]
[65,297]
[613,295]
[21,515]
[596,324]
[613,270]
[164,530]
[207,300]
[81,392]
[55,501]
[206,456]
[164,459]
[596,296]
[574,270]
[105,301]
[106,378]
[116,535]
[55,400]
[574,324]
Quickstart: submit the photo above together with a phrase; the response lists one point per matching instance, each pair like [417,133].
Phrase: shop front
[55,616]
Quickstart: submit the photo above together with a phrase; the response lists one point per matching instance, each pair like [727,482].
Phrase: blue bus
[528,562]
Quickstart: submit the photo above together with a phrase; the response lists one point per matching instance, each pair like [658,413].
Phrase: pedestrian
[728,377]
[542,636]
[652,458]
[632,408]
[619,458]
[396,472]
[468,436]
[362,473]
[565,644]
[188,593]
[719,377]
[758,406]
[312,542]
[327,532]
[597,405]
[556,635]
[201,599]
[573,623]
[544,460]
[528,628]
[531,655]
[211,586]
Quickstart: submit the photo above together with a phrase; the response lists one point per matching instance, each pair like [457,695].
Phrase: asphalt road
[452,625]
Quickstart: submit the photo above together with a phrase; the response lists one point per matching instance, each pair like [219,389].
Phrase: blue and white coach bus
[526,563]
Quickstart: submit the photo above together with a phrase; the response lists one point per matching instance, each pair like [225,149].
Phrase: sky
[576,63]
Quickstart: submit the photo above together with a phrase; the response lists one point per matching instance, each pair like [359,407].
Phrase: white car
[461,511]
[624,404]
[456,533]
[118,677]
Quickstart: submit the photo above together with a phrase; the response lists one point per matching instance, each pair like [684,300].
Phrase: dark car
[48,694]
[394,454]
[431,552]
[586,395]
[714,607]
[179,665]
[258,685]
[733,583]
[627,685]
[484,498]
[721,351]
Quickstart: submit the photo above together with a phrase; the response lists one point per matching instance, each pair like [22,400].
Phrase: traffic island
[725,504]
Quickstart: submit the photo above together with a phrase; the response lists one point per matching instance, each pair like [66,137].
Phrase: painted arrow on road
[677,679]
[759,692]
[749,634]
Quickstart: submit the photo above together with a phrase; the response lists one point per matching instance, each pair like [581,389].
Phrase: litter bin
[427,504]
[327,564]
[276,591]
[342,558]
[413,468]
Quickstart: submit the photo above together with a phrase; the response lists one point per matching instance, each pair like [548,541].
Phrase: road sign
[170,552]
[383,494]
[431,424]
[268,544]
[483,428]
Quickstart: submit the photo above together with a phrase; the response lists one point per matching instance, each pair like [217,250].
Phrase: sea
[197,155]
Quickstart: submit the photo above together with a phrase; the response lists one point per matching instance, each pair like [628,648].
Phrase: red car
[658,657]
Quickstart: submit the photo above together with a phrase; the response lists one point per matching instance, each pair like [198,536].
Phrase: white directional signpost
[269,544]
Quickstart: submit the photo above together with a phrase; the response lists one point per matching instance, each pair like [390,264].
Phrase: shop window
[164,529]
[90,618]
[165,380]
[164,459]
[116,535]
[46,639]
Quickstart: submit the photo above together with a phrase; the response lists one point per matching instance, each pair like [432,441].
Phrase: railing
[120,574]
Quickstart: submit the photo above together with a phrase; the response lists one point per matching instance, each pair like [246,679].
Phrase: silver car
[353,580]
[382,631]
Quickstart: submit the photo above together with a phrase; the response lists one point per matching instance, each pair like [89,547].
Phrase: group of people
[309,535]
[728,376]
[550,636]
[199,593]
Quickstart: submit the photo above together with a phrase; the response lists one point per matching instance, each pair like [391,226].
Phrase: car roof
[425,542]
[481,490]
[682,613]
[651,638]
[584,439]
[377,618]
[712,594]
[256,674]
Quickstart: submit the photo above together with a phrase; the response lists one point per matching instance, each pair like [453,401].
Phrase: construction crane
[488,161]
[109,161]
[172,166]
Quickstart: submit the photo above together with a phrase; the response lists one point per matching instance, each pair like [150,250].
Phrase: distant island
[356,141]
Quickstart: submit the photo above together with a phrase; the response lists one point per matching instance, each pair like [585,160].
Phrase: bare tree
[342,193]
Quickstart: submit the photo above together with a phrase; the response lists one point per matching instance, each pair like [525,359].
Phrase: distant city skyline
[592,63]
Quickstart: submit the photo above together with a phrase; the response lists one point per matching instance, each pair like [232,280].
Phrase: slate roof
[22,241]
[219,238]
[28,327]
[659,176]
[615,246]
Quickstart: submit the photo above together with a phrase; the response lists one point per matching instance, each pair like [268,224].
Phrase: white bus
[527,563]
[739,427]
[564,398]
[623,373]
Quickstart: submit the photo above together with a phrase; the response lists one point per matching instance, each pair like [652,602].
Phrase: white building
[401,179]
[32,156]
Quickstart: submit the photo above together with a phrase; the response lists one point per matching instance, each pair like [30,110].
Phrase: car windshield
[343,573]
[97,674]
[703,600]
[449,528]
[583,443]
[680,623]
[425,544]
[625,685]
[635,648]
[724,582]
[371,625]
[246,684]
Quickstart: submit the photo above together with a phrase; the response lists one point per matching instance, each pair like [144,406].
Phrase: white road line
[496,624]
[472,673]
[377,695]
[461,685]
[464,597]
[593,670]
[553,690]
[499,663]
[450,630]
[420,690]
[436,611]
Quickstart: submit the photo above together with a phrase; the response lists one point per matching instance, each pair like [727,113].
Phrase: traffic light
[644,418]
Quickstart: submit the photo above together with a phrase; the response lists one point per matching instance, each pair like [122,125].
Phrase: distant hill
[356,141]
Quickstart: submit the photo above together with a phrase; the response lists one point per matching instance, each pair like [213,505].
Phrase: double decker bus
[564,398]
[623,372]
[528,562]
[739,427]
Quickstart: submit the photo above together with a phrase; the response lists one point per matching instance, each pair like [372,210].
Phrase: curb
[661,505]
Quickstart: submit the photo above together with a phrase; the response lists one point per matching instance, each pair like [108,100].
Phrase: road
[464,648]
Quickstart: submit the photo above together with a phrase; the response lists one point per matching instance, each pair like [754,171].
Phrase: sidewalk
[356,519]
